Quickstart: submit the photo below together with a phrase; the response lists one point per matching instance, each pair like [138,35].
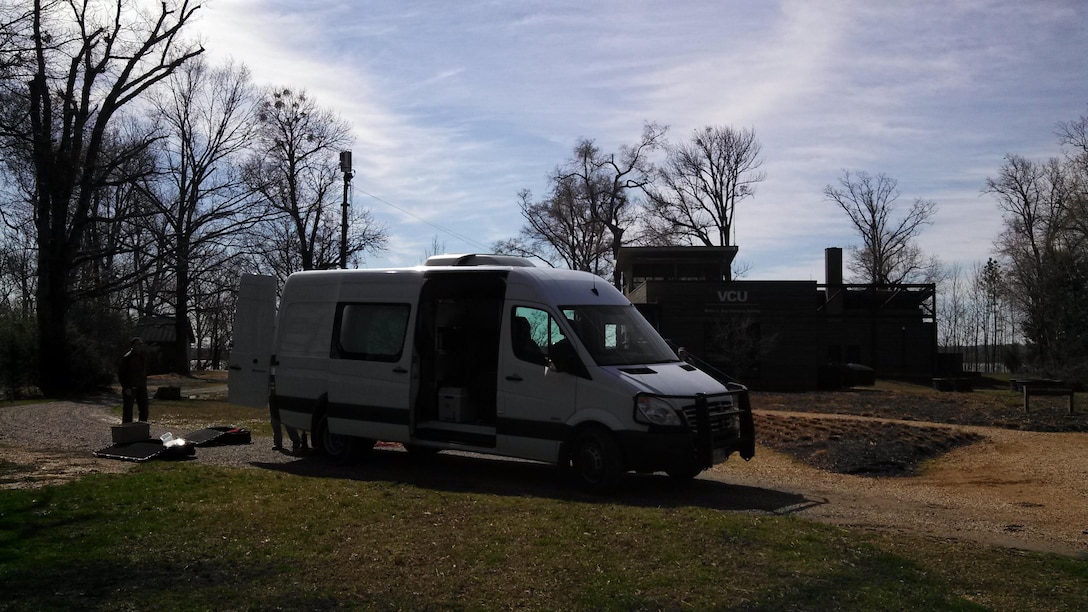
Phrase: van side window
[533,332]
[371,332]
[300,328]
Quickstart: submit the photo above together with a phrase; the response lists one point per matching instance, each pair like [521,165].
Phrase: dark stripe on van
[295,404]
[355,412]
[481,440]
[372,414]
[524,428]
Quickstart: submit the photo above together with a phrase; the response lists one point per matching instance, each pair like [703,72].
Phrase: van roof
[559,285]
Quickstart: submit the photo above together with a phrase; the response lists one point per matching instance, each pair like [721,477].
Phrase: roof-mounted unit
[477,259]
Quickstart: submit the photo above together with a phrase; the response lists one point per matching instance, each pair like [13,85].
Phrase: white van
[487,354]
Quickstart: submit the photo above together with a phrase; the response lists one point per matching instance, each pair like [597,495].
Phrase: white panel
[253,339]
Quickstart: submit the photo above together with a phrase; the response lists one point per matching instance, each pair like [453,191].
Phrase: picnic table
[1042,386]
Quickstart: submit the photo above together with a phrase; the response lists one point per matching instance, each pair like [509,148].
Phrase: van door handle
[399,370]
[514,378]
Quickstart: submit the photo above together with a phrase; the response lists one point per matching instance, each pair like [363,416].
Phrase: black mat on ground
[219,436]
[143,451]
[132,451]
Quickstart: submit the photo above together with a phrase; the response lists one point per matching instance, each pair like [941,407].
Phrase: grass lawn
[186,536]
[190,536]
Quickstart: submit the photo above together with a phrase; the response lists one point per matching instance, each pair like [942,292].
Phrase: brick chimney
[833,266]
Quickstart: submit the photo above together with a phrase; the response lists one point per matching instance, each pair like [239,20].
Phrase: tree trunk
[54,375]
[180,358]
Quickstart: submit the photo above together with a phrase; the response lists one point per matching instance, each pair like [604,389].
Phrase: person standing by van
[298,441]
[132,374]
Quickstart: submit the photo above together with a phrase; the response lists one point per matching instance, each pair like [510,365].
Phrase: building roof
[159,330]
[686,254]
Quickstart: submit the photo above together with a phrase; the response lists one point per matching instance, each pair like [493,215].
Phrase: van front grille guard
[710,419]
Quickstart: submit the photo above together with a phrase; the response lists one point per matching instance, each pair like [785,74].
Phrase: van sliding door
[457,340]
[370,370]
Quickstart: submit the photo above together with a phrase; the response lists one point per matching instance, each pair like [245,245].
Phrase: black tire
[341,450]
[596,463]
[684,473]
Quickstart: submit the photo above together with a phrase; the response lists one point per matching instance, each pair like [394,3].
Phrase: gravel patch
[50,442]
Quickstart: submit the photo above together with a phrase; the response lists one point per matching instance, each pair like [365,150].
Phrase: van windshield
[617,335]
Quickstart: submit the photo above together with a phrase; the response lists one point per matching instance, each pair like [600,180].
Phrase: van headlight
[655,411]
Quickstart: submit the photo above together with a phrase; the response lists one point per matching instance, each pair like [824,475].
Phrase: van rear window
[304,329]
[371,332]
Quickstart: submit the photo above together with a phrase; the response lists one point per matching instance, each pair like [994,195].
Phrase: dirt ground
[892,458]
[907,458]
[894,433]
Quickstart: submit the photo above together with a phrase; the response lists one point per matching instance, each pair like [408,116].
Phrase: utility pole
[345,167]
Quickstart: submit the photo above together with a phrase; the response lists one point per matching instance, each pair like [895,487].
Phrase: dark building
[788,335]
[160,337]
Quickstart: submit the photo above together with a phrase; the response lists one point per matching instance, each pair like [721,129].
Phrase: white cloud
[458,105]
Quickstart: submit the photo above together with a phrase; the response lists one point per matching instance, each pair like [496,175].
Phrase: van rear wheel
[341,449]
[596,461]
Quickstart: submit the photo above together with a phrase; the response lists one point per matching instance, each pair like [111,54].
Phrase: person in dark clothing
[132,374]
[298,439]
[525,347]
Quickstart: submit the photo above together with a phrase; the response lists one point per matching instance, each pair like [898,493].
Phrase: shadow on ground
[471,473]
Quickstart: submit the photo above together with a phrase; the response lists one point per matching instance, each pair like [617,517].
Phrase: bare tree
[437,247]
[17,348]
[1074,134]
[1032,217]
[16,257]
[559,229]
[591,206]
[702,180]
[202,202]
[214,297]
[88,61]
[989,286]
[888,253]
[295,172]
[1045,258]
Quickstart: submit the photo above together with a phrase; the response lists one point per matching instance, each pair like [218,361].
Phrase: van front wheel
[596,461]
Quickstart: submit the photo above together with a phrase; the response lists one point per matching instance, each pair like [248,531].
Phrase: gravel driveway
[1021,489]
[59,438]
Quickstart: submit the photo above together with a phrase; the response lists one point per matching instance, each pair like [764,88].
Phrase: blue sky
[458,105]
